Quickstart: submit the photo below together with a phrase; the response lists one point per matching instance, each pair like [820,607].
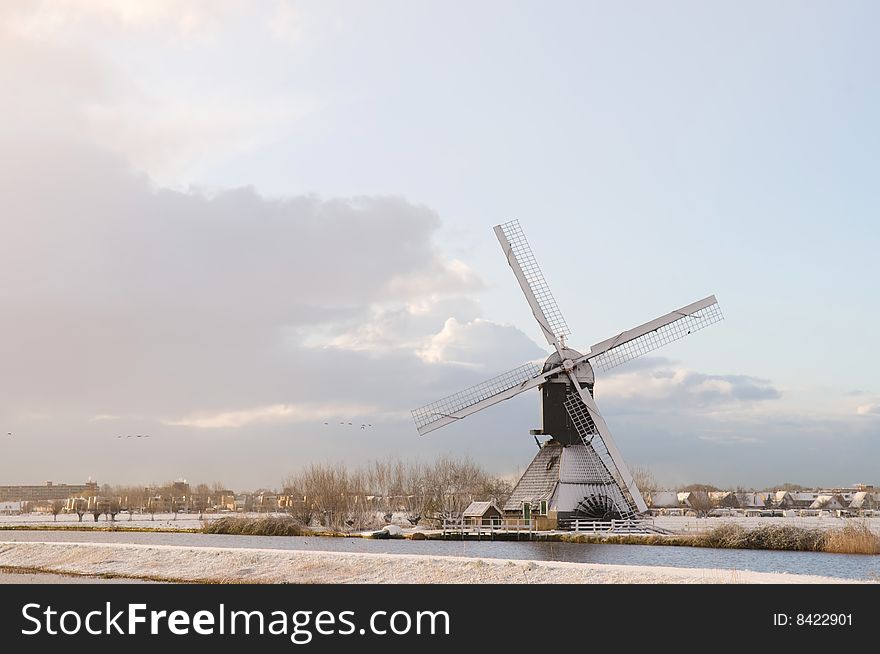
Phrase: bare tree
[55,507]
[644,478]
[364,497]
[79,506]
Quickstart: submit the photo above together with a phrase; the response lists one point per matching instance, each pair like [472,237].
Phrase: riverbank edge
[674,540]
[187,564]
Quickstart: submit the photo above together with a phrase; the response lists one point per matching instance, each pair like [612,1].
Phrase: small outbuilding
[482,513]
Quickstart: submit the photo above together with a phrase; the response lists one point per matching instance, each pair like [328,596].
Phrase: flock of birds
[365,425]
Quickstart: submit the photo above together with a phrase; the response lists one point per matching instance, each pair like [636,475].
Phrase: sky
[226,223]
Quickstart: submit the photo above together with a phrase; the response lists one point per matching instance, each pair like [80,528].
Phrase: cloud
[284,413]
[45,19]
[481,344]
[141,307]
[873,408]
[64,80]
[677,388]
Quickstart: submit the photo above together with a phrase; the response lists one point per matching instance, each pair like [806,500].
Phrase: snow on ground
[164,521]
[228,565]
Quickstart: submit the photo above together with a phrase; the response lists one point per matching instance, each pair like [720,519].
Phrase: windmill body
[578,472]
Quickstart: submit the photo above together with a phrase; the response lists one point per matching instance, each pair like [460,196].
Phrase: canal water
[850,566]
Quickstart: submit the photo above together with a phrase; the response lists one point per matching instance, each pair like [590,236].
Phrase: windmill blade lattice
[648,337]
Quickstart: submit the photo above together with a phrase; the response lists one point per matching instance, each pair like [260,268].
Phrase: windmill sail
[455,407]
[607,471]
[522,260]
[640,340]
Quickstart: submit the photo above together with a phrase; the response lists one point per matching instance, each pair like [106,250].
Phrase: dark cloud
[196,316]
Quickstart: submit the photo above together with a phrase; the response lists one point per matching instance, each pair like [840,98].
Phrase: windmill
[578,473]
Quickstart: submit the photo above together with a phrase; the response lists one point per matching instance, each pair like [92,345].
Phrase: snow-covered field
[165,521]
[227,565]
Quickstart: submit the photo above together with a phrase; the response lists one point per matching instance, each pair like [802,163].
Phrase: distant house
[482,513]
[664,500]
[803,499]
[783,500]
[751,500]
[863,500]
[723,499]
[10,508]
[828,503]
[244,502]
[696,500]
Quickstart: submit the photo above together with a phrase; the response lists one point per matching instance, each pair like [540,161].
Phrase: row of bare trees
[337,497]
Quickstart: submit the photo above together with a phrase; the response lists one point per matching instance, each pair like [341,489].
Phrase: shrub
[266,526]
[770,537]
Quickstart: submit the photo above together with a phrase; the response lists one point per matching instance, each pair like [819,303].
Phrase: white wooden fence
[606,526]
[460,526]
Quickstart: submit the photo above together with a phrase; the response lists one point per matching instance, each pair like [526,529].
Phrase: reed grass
[852,539]
[265,526]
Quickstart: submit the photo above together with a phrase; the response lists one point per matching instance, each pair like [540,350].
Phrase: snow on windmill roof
[478,509]
[539,480]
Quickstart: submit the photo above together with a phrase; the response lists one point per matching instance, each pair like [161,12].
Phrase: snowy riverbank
[227,565]
[192,521]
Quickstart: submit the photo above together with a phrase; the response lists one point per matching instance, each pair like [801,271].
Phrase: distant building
[47,492]
[723,499]
[864,500]
[664,500]
[10,508]
[751,500]
[696,500]
[482,513]
[802,499]
[828,503]
[783,500]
